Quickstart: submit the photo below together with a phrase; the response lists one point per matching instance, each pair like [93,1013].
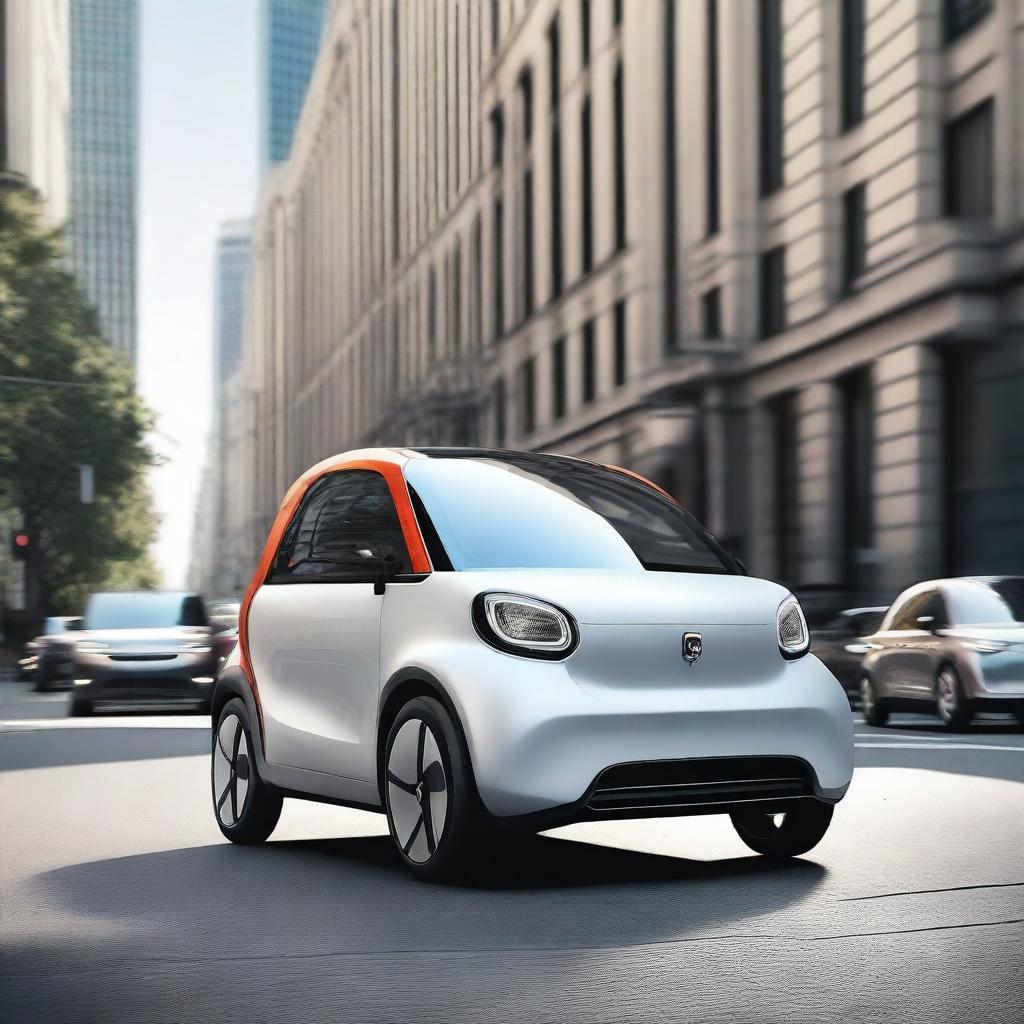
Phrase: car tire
[246,810]
[789,834]
[950,700]
[81,708]
[874,709]
[436,818]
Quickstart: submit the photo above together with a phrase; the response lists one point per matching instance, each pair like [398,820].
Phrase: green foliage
[48,332]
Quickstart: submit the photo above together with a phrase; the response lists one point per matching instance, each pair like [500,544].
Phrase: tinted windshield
[521,511]
[988,603]
[144,611]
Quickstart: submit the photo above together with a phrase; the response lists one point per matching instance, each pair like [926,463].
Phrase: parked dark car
[147,650]
[950,646]
[840,645]
[48,657]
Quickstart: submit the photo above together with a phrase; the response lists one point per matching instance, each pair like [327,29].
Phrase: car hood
[599,596]
[145,639]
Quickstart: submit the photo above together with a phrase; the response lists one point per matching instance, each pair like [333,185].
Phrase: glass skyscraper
[104,38]
[290,32]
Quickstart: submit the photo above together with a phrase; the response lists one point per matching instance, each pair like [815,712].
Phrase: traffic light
[20,543]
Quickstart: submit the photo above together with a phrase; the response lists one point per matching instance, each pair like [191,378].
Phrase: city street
[119,899]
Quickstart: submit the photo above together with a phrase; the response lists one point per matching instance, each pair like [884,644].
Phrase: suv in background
[146,650]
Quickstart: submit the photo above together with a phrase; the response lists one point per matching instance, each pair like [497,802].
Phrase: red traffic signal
[20,543]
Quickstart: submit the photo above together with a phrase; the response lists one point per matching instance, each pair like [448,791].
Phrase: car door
[314,626]
[924,646]
[893,654]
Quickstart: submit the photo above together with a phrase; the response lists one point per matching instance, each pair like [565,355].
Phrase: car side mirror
[926,622]
[373,552]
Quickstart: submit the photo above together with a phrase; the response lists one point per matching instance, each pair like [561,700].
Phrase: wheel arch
[232,682]
[403,686]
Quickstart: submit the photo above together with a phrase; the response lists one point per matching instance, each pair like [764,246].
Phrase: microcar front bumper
[540,738]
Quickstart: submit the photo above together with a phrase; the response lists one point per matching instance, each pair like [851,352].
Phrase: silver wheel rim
[231,771]
[417,790]
[947,694]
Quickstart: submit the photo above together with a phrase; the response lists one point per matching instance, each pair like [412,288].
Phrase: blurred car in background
[952,646]
[48,657]
[224,623]
[840,645]
[145,650]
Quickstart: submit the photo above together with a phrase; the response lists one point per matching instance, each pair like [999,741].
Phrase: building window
[432,313]
[620,343]
[855,236]
[557,272]
[476,271]
[558,392]
[497,136]
[499,269]
[970,179]
[456,329]
[495,25]
[587,190]
[784,490]
[617,12]
[670,253]
[773,292]
[713,203]
[770,73]
[960,16]
[711,314]
[620,161]
[851,67]
[554,64]
[589,356]
[856,453]
[499,413]
[527,398]
[526,104]
[585,33]
[527,242]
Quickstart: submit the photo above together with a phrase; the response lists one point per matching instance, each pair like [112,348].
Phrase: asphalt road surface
[120,901]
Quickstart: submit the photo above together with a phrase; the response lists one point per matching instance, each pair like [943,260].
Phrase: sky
[198,167]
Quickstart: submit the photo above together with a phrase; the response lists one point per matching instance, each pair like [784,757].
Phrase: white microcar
[474,641]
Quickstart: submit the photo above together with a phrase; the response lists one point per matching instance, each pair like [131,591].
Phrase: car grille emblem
[693,647]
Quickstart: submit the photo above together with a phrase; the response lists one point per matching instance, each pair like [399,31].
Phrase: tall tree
[66,399]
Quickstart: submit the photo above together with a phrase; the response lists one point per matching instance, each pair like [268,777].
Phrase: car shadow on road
[352,895]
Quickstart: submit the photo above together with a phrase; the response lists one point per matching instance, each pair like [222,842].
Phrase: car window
[346,529]
[865,623]
[925,610]
[988,603]
[144,611]
[522,511]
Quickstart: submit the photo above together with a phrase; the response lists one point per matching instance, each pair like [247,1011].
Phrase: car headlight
[986,646]
[791,627]
[525,626]
[92,646]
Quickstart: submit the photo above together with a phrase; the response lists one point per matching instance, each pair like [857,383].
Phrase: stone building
[767,253]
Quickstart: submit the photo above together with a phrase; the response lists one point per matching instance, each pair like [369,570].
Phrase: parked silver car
[954,646]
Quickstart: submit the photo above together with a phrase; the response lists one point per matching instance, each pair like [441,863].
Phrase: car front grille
[648,785]
[142,657]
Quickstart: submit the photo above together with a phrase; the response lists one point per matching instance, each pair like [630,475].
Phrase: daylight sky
[198,166]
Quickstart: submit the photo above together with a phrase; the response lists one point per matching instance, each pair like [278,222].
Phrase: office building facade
[289,39]
[35,98]
[765,253]
[103,167]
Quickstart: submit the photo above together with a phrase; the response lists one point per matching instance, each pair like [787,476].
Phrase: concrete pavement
[119,899]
